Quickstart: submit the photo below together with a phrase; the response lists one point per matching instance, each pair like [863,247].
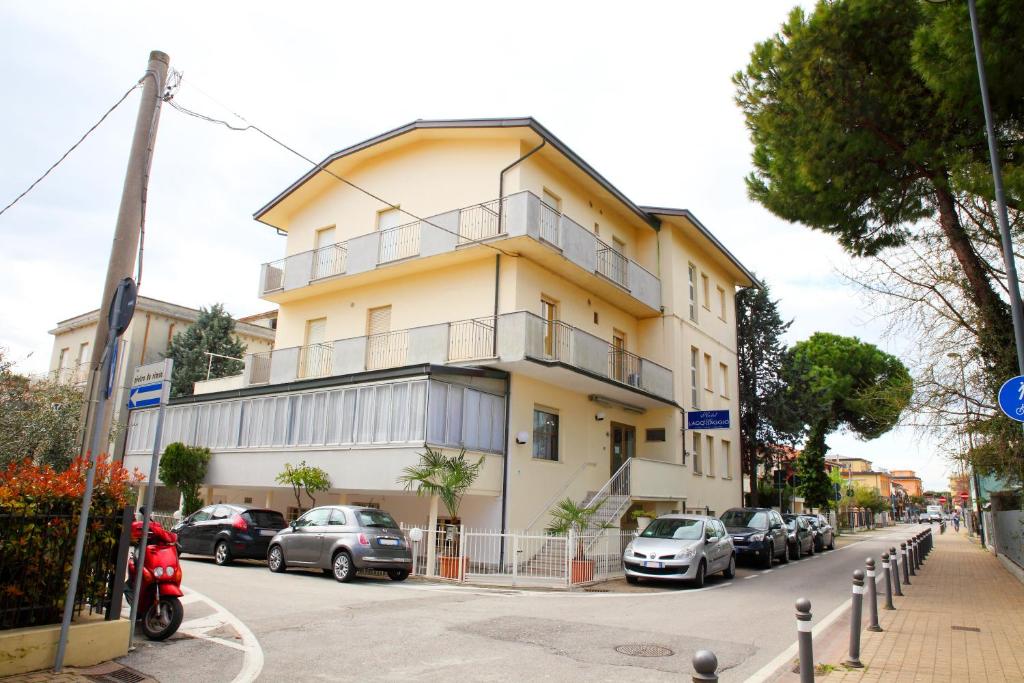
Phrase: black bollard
[869,567]
[911,562]
[705,666]
[888,581]
[906,566]
[853,661]
[804,640]
[894,561]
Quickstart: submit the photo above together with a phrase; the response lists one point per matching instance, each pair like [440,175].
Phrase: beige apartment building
[515,304]
[145,341]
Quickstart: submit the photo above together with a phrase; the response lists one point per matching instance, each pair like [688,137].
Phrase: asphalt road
[307,627]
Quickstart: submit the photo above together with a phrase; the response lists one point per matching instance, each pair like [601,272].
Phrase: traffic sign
[964,495]
[707,419]
[1011,398]
[151,385]
[942,499]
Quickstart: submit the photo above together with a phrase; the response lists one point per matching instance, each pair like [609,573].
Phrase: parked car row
[338,539]
[691,547]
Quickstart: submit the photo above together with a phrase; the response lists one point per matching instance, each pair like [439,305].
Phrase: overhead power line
[72,148]
[321,167]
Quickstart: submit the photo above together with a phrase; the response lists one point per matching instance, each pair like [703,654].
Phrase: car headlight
[685,553]
[170,571]
[628,550]
[158,572]
[757,538]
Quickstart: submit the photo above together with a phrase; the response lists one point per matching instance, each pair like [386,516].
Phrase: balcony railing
[329,261]
[522,214]
[315,360]
[520,335]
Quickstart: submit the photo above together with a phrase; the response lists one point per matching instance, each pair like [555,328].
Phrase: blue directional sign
[1011,398]
[707,419]
[150,385]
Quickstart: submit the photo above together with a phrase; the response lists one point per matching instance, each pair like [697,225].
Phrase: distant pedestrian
[956,521]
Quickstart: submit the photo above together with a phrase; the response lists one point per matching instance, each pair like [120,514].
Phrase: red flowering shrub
[39,514]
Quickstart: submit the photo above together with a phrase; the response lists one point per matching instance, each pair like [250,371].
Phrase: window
[62,361]
[83,353]
[337,518]
[726,460]
[723,379]
[316,331]
[618,246]
[710,443]
[552,200]
[545,435]
[549,316]
[202,515]
[698,458]
[694,377]
[221,512]
[317,517]
[619,360]
[709,377]
[324,237]
[656,434]
[692,272]
[721,303]
[387,219]
[706,287]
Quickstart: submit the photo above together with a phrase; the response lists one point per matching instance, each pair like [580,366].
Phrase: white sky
[642,94]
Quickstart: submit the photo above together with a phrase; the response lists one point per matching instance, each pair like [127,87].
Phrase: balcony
[535,229]
[522,337]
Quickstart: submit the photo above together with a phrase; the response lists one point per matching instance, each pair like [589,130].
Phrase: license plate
[268,532]
[388,541]
[654,565]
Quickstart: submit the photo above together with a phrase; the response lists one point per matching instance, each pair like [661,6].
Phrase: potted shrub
[448,478]
[572,518]
[642,518]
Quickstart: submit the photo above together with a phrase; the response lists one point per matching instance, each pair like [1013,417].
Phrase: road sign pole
[154,461]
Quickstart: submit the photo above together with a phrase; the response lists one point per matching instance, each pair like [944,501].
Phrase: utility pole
[126,237]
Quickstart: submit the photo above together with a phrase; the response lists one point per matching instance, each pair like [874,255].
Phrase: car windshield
[791,523]
[376,518]
[811,521]
[267,519]
[678,529]
[751,518]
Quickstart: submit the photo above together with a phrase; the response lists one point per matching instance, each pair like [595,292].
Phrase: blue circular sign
[1011,398]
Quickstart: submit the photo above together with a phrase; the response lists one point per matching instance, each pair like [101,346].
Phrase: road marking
[767,571]
[752,576]
[252,661]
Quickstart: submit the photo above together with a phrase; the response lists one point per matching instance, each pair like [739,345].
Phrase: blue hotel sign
[707,419]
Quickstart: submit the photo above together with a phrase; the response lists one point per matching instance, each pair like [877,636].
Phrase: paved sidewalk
[962,619]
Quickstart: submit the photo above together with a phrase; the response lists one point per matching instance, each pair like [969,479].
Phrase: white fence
[516,558]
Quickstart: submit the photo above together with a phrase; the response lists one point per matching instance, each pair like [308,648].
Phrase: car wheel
[730,571]
[832,543]
[811,549]
[398,574]
[632,580]
[342,567]
[766,561]
[698,580]
[275,560]
[798,551]
[785,554]
[222,553]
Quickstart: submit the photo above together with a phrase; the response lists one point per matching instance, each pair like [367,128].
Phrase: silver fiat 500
[677,547]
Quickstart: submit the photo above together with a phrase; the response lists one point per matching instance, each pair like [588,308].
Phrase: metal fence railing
[329,261]
[315,360]
[471,339]
[548,224]
[612,264]
[478,222]
[36,547]
[387,350]
[399,243]
[624,366]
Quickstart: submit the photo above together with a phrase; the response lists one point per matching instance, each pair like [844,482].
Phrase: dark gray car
[342,539]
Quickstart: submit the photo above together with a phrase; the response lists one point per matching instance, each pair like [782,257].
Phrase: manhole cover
[120,676]
[644,650]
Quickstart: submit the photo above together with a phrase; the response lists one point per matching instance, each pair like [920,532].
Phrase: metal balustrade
[548,220]
[624,366]
[471,339]
[399,243]
[612,264]
[478,222]
[387,350]
[315,360]
[329,261]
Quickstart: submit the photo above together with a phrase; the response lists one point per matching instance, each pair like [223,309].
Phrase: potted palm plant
[448,477]
[572,518]
[642,518]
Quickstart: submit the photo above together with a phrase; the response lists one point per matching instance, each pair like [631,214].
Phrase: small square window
[656,434]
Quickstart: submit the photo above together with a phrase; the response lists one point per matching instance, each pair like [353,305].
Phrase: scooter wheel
[163,618]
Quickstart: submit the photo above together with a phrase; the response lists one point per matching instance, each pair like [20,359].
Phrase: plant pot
[642,522]
[450,567]
[582,571]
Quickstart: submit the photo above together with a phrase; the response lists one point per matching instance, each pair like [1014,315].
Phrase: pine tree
[213,331]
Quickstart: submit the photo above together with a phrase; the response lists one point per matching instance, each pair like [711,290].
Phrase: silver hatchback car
[680,547]
[342,539]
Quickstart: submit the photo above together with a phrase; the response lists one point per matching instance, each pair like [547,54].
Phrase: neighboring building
[145,341]
[559,337]
[909,481]
[860,471]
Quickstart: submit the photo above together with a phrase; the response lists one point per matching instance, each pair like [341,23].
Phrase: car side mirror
[292,524]
[776,525]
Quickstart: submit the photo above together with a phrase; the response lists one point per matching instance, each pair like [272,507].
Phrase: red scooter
[160,610]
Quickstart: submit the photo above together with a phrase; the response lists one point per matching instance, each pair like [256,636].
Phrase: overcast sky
[643,94]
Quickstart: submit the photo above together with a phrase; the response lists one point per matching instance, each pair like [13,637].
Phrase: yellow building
[909,480]
[860,470]
[145,341]
[512,302]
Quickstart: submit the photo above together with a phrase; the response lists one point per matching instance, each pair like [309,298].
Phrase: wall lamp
[599,417]
[522,437]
